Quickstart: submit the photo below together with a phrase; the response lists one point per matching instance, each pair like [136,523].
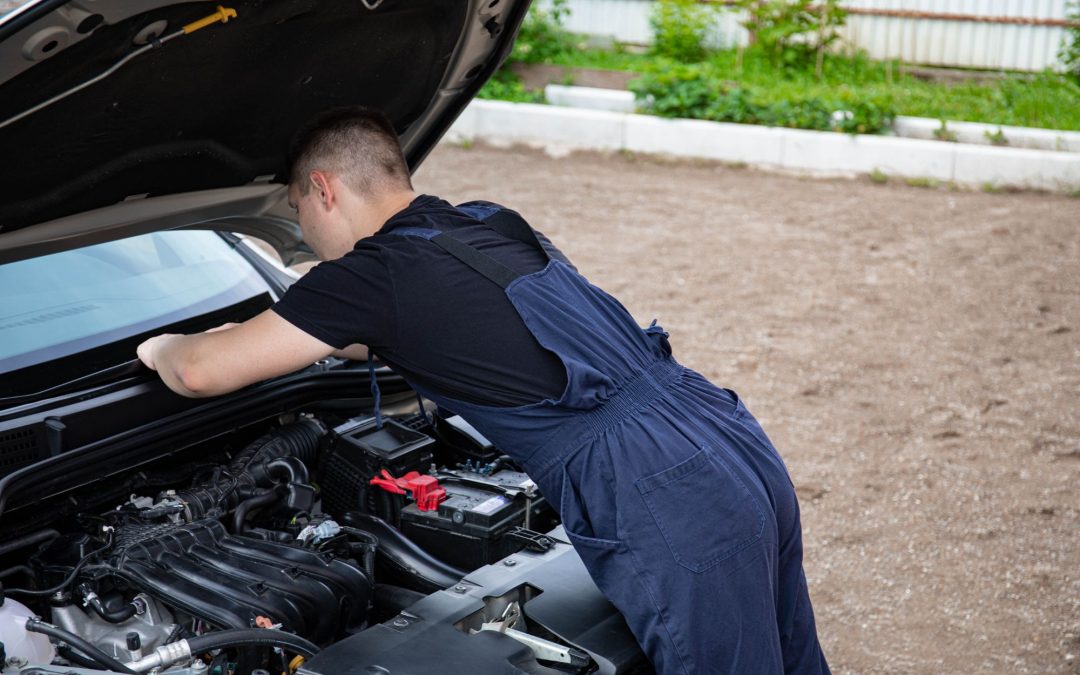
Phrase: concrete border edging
[924,128]
[820,152]
[978,133]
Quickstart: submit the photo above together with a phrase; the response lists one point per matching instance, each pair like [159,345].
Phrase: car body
[144,146]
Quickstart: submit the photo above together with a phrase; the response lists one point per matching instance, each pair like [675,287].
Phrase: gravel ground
[913,353]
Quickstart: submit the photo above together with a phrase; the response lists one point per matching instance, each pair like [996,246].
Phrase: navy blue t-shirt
[431,318]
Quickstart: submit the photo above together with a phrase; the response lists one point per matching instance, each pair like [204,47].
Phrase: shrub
[1070,48]
[792,32]
[679,91]
[680,29]
[866,114]
[694,91]
[543,35]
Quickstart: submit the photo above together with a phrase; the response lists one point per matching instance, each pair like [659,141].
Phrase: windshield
[68,302]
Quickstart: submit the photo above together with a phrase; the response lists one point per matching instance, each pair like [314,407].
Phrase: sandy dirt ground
[914,354]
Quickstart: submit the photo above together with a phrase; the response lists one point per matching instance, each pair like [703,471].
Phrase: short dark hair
[358,144]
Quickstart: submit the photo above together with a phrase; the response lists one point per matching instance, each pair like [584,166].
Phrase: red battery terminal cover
[425,490]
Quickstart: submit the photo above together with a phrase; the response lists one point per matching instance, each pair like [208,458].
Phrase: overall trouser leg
[696,540]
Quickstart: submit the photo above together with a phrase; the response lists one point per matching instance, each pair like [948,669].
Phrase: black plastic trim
[161,437]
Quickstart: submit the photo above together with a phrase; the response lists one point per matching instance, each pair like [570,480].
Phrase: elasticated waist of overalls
[634,395]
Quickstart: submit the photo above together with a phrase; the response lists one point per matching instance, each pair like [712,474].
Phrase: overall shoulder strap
[480,262]
[509,224]
[505,222]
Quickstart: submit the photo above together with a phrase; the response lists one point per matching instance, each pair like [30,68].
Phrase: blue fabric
[376,394]
[422,232]
[668,488]
[479,210]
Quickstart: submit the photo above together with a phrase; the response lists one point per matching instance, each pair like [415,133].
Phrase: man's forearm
[232,356]
[176,359]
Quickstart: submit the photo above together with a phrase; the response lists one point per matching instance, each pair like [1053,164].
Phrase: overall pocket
[703,509]
[576,522]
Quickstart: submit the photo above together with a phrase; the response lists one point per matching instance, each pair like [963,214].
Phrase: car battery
[358,450]
[469,529]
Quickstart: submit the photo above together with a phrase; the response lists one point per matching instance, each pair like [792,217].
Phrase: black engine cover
[434,635]
[230,580]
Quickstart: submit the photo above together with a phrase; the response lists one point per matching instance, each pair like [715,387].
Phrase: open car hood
[191,131]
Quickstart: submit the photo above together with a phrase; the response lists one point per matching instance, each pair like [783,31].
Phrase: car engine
[321,531]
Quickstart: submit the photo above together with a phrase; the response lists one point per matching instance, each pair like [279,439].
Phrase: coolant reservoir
[19,642]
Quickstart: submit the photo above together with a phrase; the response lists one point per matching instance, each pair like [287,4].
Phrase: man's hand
[224,326]
[145,351]
[231,356]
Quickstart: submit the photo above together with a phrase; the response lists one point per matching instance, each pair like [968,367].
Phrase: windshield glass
[61,304]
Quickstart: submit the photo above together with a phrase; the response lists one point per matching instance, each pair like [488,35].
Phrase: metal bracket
[545,650]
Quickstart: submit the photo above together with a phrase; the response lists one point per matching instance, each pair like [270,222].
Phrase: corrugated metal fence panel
[628,21]
[967,44]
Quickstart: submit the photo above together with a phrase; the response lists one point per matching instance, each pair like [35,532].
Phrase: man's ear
[324,193]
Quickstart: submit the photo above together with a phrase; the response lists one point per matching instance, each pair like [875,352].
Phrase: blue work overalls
[668,488]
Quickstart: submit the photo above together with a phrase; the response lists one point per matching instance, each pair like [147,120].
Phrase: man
[672,494]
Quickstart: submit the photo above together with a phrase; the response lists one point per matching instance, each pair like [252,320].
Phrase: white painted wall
[933,42]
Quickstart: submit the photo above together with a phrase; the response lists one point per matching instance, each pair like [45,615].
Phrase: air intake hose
[286,453]
[412,566]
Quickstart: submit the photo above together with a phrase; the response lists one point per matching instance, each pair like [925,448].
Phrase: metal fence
[996,34]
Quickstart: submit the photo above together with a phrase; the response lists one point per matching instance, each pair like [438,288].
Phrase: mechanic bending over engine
[668,488]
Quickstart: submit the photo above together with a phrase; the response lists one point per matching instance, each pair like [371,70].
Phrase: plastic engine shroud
[230,580]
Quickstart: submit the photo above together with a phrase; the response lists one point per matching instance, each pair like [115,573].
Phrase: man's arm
[221,361]
[357,352]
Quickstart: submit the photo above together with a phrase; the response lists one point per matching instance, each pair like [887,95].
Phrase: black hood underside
[214,108]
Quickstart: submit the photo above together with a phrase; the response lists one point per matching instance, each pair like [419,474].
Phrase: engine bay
[313,542]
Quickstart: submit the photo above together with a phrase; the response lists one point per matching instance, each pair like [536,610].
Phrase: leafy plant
[996,137]
[793,32]
[1070,48]
[504,85]
[543,35]
[695,91]
[680,29]
[944,133]
[878,176]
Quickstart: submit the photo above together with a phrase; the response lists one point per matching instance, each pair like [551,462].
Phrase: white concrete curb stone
[843,153]
[972,132]
[761,146]
[590,98]
[822,152]
[924,128]
[981,165]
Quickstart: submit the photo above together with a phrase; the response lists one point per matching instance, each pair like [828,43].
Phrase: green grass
[922,182]
[506,86]
[1046,100]
[878,176]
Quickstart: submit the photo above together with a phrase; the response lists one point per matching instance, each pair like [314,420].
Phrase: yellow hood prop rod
[222,15]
